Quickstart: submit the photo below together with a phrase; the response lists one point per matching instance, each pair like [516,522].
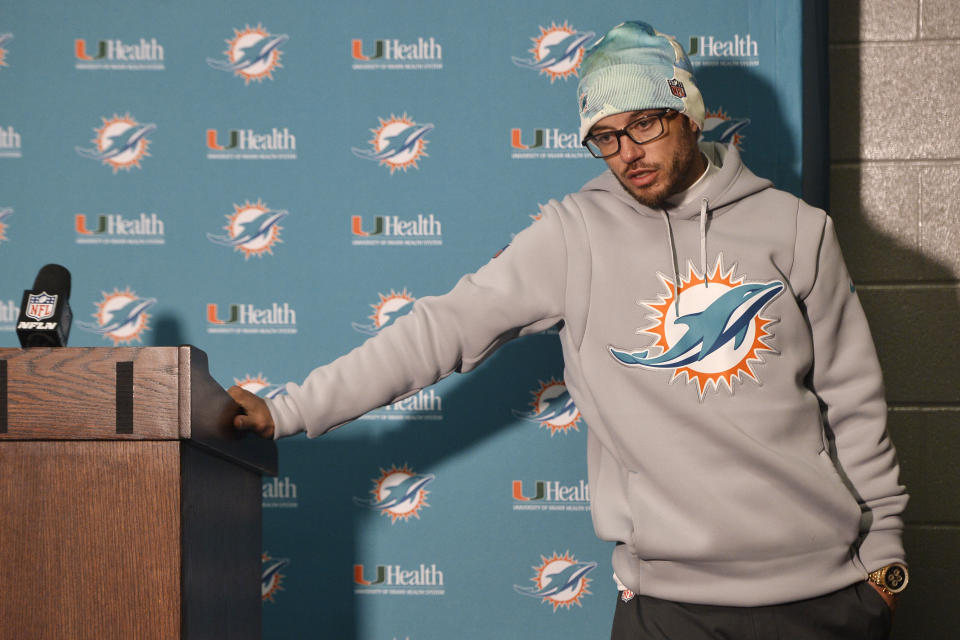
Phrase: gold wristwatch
[891,579]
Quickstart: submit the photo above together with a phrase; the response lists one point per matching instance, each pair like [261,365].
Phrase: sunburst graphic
[246,214]
[566,598]
[3,57]
[733,360]
[271,580]
[117,127]
[249,37]
[3,227]
[551,36]
[384,310]
[407,509]
[259,385]
[558,418]
[113,309]
[381,139]
[722,115]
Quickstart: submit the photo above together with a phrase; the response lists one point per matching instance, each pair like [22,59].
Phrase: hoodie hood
[733,182]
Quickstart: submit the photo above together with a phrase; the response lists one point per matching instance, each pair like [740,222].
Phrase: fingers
[255,415]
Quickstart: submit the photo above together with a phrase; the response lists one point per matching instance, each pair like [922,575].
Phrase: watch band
[891,579]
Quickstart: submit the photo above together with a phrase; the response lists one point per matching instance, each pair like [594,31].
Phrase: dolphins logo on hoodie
[560,580]
[121,142]
[252,229]
[398,143]
[121,316]
[708,330]
[557,51]
[252,54]
[399,493]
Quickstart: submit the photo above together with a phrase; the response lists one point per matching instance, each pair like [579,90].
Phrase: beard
[675,175]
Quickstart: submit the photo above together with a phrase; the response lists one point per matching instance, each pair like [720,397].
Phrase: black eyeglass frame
[623,132]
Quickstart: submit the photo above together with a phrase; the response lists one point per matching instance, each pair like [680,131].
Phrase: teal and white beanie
[636,67]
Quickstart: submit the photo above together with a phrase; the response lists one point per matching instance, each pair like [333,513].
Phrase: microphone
[45,315]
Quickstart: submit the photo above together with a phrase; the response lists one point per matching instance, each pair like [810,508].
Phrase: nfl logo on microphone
[41,306]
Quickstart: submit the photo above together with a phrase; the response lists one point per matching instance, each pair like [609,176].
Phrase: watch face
[895,578]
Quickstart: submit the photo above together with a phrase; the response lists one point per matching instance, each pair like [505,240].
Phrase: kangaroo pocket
[739,512]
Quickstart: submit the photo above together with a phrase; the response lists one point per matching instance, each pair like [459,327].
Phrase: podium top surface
[123,393]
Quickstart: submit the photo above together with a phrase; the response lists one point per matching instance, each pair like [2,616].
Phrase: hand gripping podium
[129,506]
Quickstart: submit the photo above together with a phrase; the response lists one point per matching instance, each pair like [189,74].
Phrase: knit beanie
[635,67]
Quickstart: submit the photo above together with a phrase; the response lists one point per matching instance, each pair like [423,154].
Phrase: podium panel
[129,506]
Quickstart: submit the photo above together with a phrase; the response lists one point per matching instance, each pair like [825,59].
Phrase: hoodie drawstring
[673,261]
[703,239]
[704,205]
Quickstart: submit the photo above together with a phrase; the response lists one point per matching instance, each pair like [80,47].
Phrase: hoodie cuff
[286,417]
[881,548]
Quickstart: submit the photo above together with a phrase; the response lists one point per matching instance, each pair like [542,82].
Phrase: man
[737,448]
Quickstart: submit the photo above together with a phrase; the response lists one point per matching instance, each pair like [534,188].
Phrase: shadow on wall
[911,302]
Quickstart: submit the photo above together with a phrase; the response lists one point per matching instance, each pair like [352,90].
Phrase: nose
[630,150]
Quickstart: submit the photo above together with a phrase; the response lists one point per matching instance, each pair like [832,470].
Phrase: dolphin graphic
[252,229]
[4,37]
[267,577]
[119,143]
[390,317]
[5,212]
[557,53]
[250,55]
[554,408]
[727,318]
[558,582]
[719,130]
[118,319]
[398,143]
[399,493]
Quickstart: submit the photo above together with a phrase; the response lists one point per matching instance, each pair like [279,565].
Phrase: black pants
[855,613]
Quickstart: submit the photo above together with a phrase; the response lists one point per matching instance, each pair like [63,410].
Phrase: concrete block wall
[895,196]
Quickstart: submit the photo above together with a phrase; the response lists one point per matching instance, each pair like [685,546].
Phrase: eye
[604,139]
[644,124]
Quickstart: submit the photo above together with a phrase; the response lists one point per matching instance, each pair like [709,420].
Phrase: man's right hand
[256,416]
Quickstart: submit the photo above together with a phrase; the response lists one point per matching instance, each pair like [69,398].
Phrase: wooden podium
[129,506]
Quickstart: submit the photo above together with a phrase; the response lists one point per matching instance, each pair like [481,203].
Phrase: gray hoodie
[737,445]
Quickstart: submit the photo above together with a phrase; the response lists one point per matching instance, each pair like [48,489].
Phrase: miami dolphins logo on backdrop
[719,127]
[557,51]
[398,143]
[399,493]
[4,37]
[260,386]
[252,229]
[121,316]
[270,576]
[553,408]
[121,142]
[719,334]
[390,307]
[252,54]
[5,212]
[560,580]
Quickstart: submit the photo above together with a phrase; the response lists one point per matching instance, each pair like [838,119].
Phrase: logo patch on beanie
[676,88]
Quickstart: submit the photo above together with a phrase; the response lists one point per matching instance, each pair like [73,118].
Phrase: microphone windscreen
[53,278]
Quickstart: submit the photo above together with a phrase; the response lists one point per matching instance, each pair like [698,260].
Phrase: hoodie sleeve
[520,291]
[847,378]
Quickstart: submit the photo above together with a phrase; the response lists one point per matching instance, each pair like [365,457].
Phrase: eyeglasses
[644,129]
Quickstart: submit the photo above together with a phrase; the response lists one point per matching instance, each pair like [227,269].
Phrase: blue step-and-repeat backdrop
[272,181]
